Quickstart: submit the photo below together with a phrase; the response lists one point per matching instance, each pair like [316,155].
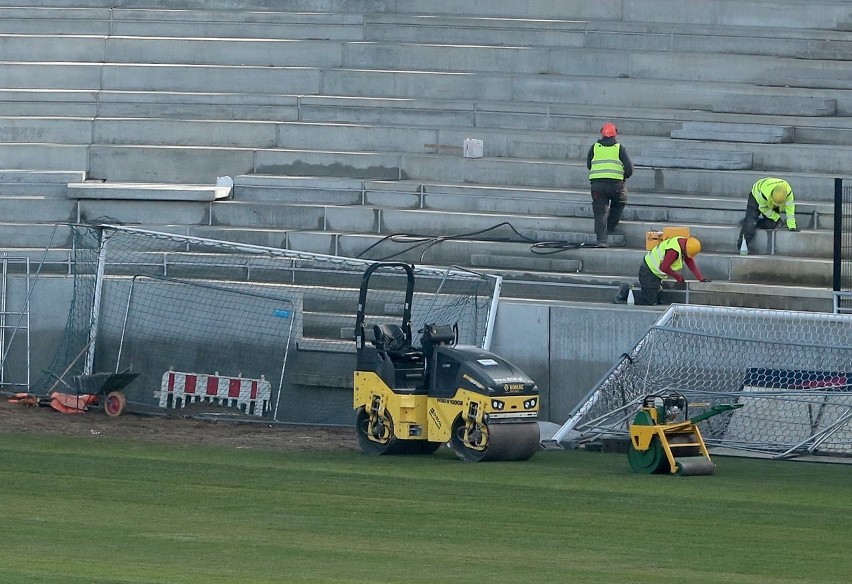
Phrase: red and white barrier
[178,389]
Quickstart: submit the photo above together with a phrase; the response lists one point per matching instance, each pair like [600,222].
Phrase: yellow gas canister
[652,238]
[675,231]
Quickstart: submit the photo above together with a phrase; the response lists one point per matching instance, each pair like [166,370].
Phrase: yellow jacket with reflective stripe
[606,162]
[762,193]
[654,258]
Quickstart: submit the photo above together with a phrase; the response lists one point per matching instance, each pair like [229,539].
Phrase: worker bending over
[666,259]
[769,196]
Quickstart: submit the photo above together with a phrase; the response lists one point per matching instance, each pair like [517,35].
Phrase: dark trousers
[608,203]
[754,220]
[650,287]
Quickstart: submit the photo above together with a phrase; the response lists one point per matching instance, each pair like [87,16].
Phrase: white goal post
[792,371]
[212,309]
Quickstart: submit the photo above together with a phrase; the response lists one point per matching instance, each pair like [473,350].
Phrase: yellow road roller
[664,439]
[412,399]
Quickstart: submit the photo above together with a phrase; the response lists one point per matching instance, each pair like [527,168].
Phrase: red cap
[609,130]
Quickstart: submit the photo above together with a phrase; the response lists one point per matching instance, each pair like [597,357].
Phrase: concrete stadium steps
[640,36]
[640,86]
[779,13]
[649,208]
[33,236]
[525,31]
[138,29]
[512,255]
[55,130]
[272,23]
[755,13]
[39,183]
[735,278]
[561,145]
[182,50]
[192,22]
[128,163]
[141,212]
[173,79]
[528,285]
[21,18]
[765,269]
[605,92]
[44,156]
[492,199]
[159,77]
[768,295]
[569,224]
[226,105]
[443,212]
[58,103]
[577,118]
[520,283]
[36,209]
[435,114]
[359,138]
[299,189]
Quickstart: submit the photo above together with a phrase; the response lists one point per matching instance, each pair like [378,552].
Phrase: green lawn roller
[660,443]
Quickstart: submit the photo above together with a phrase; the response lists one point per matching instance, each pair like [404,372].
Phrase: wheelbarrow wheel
[114,404]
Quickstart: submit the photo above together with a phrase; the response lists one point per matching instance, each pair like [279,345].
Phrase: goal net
[207,320]
[790,370]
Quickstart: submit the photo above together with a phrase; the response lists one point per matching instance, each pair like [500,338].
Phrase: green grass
[88,511]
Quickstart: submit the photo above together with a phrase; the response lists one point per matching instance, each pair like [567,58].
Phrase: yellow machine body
[664,439]
[410,399]
[410,419]
[420,417]
[673,438]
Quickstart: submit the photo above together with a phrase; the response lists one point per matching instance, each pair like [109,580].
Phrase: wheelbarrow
[103,390]
[108,388]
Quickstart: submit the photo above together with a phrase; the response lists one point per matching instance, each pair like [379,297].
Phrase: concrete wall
[567,348]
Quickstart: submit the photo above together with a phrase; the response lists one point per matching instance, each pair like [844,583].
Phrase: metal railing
[842,252]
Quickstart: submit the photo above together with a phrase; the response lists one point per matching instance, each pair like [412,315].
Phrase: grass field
[77,511]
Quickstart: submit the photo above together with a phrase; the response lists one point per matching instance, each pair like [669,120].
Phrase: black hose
[538,247]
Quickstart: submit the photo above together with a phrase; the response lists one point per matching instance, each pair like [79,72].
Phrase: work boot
[621,295]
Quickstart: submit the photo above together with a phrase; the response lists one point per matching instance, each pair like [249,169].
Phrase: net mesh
[216,320]
[790,370]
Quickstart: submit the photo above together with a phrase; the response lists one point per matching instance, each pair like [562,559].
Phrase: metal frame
[22,323]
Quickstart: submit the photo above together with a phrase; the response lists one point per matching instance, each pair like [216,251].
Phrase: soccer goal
[203,319]
[792,371]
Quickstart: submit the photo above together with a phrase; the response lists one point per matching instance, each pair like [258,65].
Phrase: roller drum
[694,466]
[512,441]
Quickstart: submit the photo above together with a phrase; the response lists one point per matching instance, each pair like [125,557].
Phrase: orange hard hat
[609,130]
[693,247]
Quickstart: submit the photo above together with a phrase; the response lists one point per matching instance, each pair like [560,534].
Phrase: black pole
[838,233]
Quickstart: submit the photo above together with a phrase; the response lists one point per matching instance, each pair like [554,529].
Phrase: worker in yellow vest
[666,259]
[609,166]
[769,197]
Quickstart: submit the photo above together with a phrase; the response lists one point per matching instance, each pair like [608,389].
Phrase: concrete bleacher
[340,123]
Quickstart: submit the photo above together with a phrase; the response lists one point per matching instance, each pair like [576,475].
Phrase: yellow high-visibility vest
[606,163]
[654,258]
[762,193]
[762,189]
